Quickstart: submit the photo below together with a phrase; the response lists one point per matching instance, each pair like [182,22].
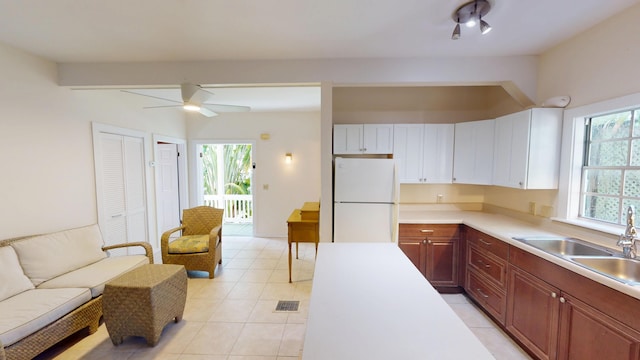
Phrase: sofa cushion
[189,244]
[46,256]
[12,279]
[31,310]
[95,275]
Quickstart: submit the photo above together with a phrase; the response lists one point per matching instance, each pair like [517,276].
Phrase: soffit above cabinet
[423,98]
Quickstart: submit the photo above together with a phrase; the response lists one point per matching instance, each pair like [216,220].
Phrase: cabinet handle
[482,293]
[484,242]
[426,231]
[486,266]
[424,241]
[554,295]
[410,243]
[563,300]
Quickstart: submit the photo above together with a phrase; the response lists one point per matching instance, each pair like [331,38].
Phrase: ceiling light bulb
[456,33]
[191,107]
[484,27]
[471,23]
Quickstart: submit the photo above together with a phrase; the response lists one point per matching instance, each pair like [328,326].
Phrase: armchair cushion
[190,244]
[12,279]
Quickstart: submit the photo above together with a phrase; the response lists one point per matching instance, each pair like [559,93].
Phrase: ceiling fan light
[456,33]
[484,27]
[191,107]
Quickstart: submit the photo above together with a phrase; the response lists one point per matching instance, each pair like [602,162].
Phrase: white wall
[46,152]
[598,64]
[289,186]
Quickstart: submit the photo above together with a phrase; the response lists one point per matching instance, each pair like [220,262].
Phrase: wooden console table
[303,226]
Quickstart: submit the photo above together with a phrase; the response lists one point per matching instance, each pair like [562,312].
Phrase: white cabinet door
[473,152]
[527,152]
[378,139]
[408,153]
[437,163]
[423,153]
[363,139]
[348,139]
[511,150]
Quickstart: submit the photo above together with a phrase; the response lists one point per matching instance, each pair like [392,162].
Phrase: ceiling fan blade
[207,112]
[163,106]
[194,94]
[151,96]
[227,108]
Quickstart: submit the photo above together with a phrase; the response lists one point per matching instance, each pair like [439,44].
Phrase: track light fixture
[470,14]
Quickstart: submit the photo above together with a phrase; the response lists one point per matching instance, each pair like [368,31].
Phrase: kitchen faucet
[630,236]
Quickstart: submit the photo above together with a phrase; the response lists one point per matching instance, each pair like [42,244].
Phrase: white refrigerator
[365,200]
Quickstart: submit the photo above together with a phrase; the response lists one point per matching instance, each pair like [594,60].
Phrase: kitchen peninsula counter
[370,302]
[505,228]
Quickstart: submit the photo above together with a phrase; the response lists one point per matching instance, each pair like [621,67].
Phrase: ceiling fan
[195,98]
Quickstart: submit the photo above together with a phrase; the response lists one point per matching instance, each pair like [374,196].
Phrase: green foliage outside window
[236,161]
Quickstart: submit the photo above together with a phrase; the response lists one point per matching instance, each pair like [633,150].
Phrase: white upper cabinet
[527,149]
[473,152]
[363,139]
[423,153]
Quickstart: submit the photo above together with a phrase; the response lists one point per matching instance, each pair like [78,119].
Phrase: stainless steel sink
[563,246]
[622,269]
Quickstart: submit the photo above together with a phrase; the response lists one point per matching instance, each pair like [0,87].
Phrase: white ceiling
[72,31]
[181,30]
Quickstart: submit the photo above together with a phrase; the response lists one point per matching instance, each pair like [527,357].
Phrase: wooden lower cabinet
[586,333]
[558,314]
[533,311]
[489,296]
[486,279]
[433,249]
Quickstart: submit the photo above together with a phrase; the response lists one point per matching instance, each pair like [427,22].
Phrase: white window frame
[572,159]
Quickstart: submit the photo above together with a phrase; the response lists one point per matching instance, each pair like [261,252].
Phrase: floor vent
[287,305]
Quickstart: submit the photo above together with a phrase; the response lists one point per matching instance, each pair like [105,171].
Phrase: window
[611,166]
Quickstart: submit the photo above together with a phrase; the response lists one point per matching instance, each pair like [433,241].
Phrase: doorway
[171,181]
[225,172]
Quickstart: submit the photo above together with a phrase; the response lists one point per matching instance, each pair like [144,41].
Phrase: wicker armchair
[200,246]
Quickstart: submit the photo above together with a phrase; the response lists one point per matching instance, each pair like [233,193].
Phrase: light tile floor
[233,317]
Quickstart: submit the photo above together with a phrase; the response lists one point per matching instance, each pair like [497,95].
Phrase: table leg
[290,261]
[296,250]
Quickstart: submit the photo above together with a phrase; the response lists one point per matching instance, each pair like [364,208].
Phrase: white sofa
[51,287]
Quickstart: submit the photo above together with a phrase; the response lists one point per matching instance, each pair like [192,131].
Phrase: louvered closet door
[134,191]
[122,212]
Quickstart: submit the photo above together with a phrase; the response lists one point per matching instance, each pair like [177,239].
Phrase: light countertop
[505,228]
[370,302]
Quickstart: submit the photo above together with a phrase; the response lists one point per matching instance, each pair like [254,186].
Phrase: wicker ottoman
[144,300]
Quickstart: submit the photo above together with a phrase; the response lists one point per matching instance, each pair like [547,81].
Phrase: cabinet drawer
[424,230]
[488,264]
[491,298]
[488,243]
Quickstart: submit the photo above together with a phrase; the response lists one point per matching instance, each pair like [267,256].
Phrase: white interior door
[135,194]
[167,186]
[110,181]
[121,189]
